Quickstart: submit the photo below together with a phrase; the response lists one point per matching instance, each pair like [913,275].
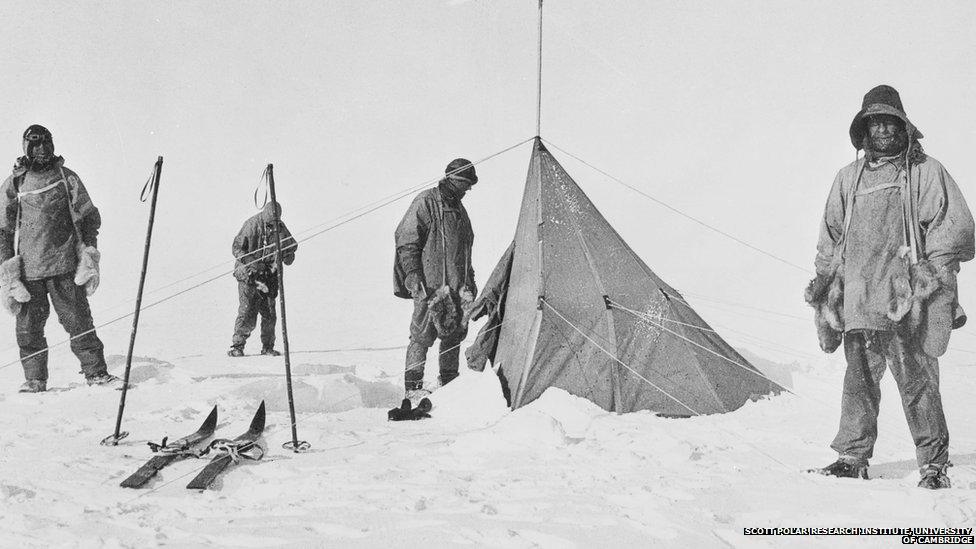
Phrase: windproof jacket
[254,246]
[866,237]
[434,239]
[53,207]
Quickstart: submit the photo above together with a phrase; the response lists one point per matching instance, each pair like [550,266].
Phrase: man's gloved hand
[87,271]
[466,295]
[816,290]
[243,273]
[262,287]
[416,285]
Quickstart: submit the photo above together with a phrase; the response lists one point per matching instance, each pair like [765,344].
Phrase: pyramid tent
[572,306]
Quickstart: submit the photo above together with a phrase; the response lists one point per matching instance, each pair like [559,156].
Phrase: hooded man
[48,238]
[893,234]
[256,272]
[433,267]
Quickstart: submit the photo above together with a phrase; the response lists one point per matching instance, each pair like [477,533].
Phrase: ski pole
[294,444]
[114,438]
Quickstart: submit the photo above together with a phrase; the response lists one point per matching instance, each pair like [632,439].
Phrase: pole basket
[113,439]
[297,447]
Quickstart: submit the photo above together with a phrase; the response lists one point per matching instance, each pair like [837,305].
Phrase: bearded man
[894,231]
[48,236]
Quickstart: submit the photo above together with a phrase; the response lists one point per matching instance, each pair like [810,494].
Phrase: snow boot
[235,352]
[934,477]
[33,386]
[104,379]
[269,351]
[843,468]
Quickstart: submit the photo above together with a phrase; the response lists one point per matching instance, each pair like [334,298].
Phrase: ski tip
[210,424]
[257,424]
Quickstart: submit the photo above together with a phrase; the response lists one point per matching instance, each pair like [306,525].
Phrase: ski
[231,451]
[170,451]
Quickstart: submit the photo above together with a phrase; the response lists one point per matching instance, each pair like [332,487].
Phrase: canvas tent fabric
[572,306]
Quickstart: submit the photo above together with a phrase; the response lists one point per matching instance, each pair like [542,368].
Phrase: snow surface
[560,472]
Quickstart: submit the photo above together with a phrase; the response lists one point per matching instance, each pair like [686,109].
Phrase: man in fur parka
[255,269]
[433,267]
[48,236]
[894,231]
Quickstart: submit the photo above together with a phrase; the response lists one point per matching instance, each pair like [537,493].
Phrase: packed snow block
[86,274]
[472,400]
[376,394]
[13,290]
[573,413]
[309,369]
[144,368]
[322,393]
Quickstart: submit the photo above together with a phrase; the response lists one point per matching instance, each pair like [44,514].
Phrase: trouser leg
[30,331]
[422,336]
[247,314]
[71,305]
[917,376]
[448,359]
[861,399]
[269,319]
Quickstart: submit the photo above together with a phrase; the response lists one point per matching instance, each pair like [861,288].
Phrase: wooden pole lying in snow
[294,444]
[114,438]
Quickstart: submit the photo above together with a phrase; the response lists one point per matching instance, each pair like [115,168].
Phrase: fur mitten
[86,274]
[467,298]
[936,310]
[14,293]
[825,294]
[926,281]
[444,311]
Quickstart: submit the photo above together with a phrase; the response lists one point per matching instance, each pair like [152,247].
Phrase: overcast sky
[734,112]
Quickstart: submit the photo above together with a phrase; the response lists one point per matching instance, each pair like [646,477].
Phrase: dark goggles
[32,137]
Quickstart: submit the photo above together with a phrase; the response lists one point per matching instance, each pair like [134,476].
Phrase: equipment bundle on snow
[572,306]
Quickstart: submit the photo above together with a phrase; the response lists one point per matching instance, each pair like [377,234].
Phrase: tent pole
[538,101]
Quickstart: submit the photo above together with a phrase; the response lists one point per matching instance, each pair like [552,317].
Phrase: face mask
[39,148]
[458,187]
[890,145]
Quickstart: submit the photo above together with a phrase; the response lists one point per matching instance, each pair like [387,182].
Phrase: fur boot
[86,274]
[13,289]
